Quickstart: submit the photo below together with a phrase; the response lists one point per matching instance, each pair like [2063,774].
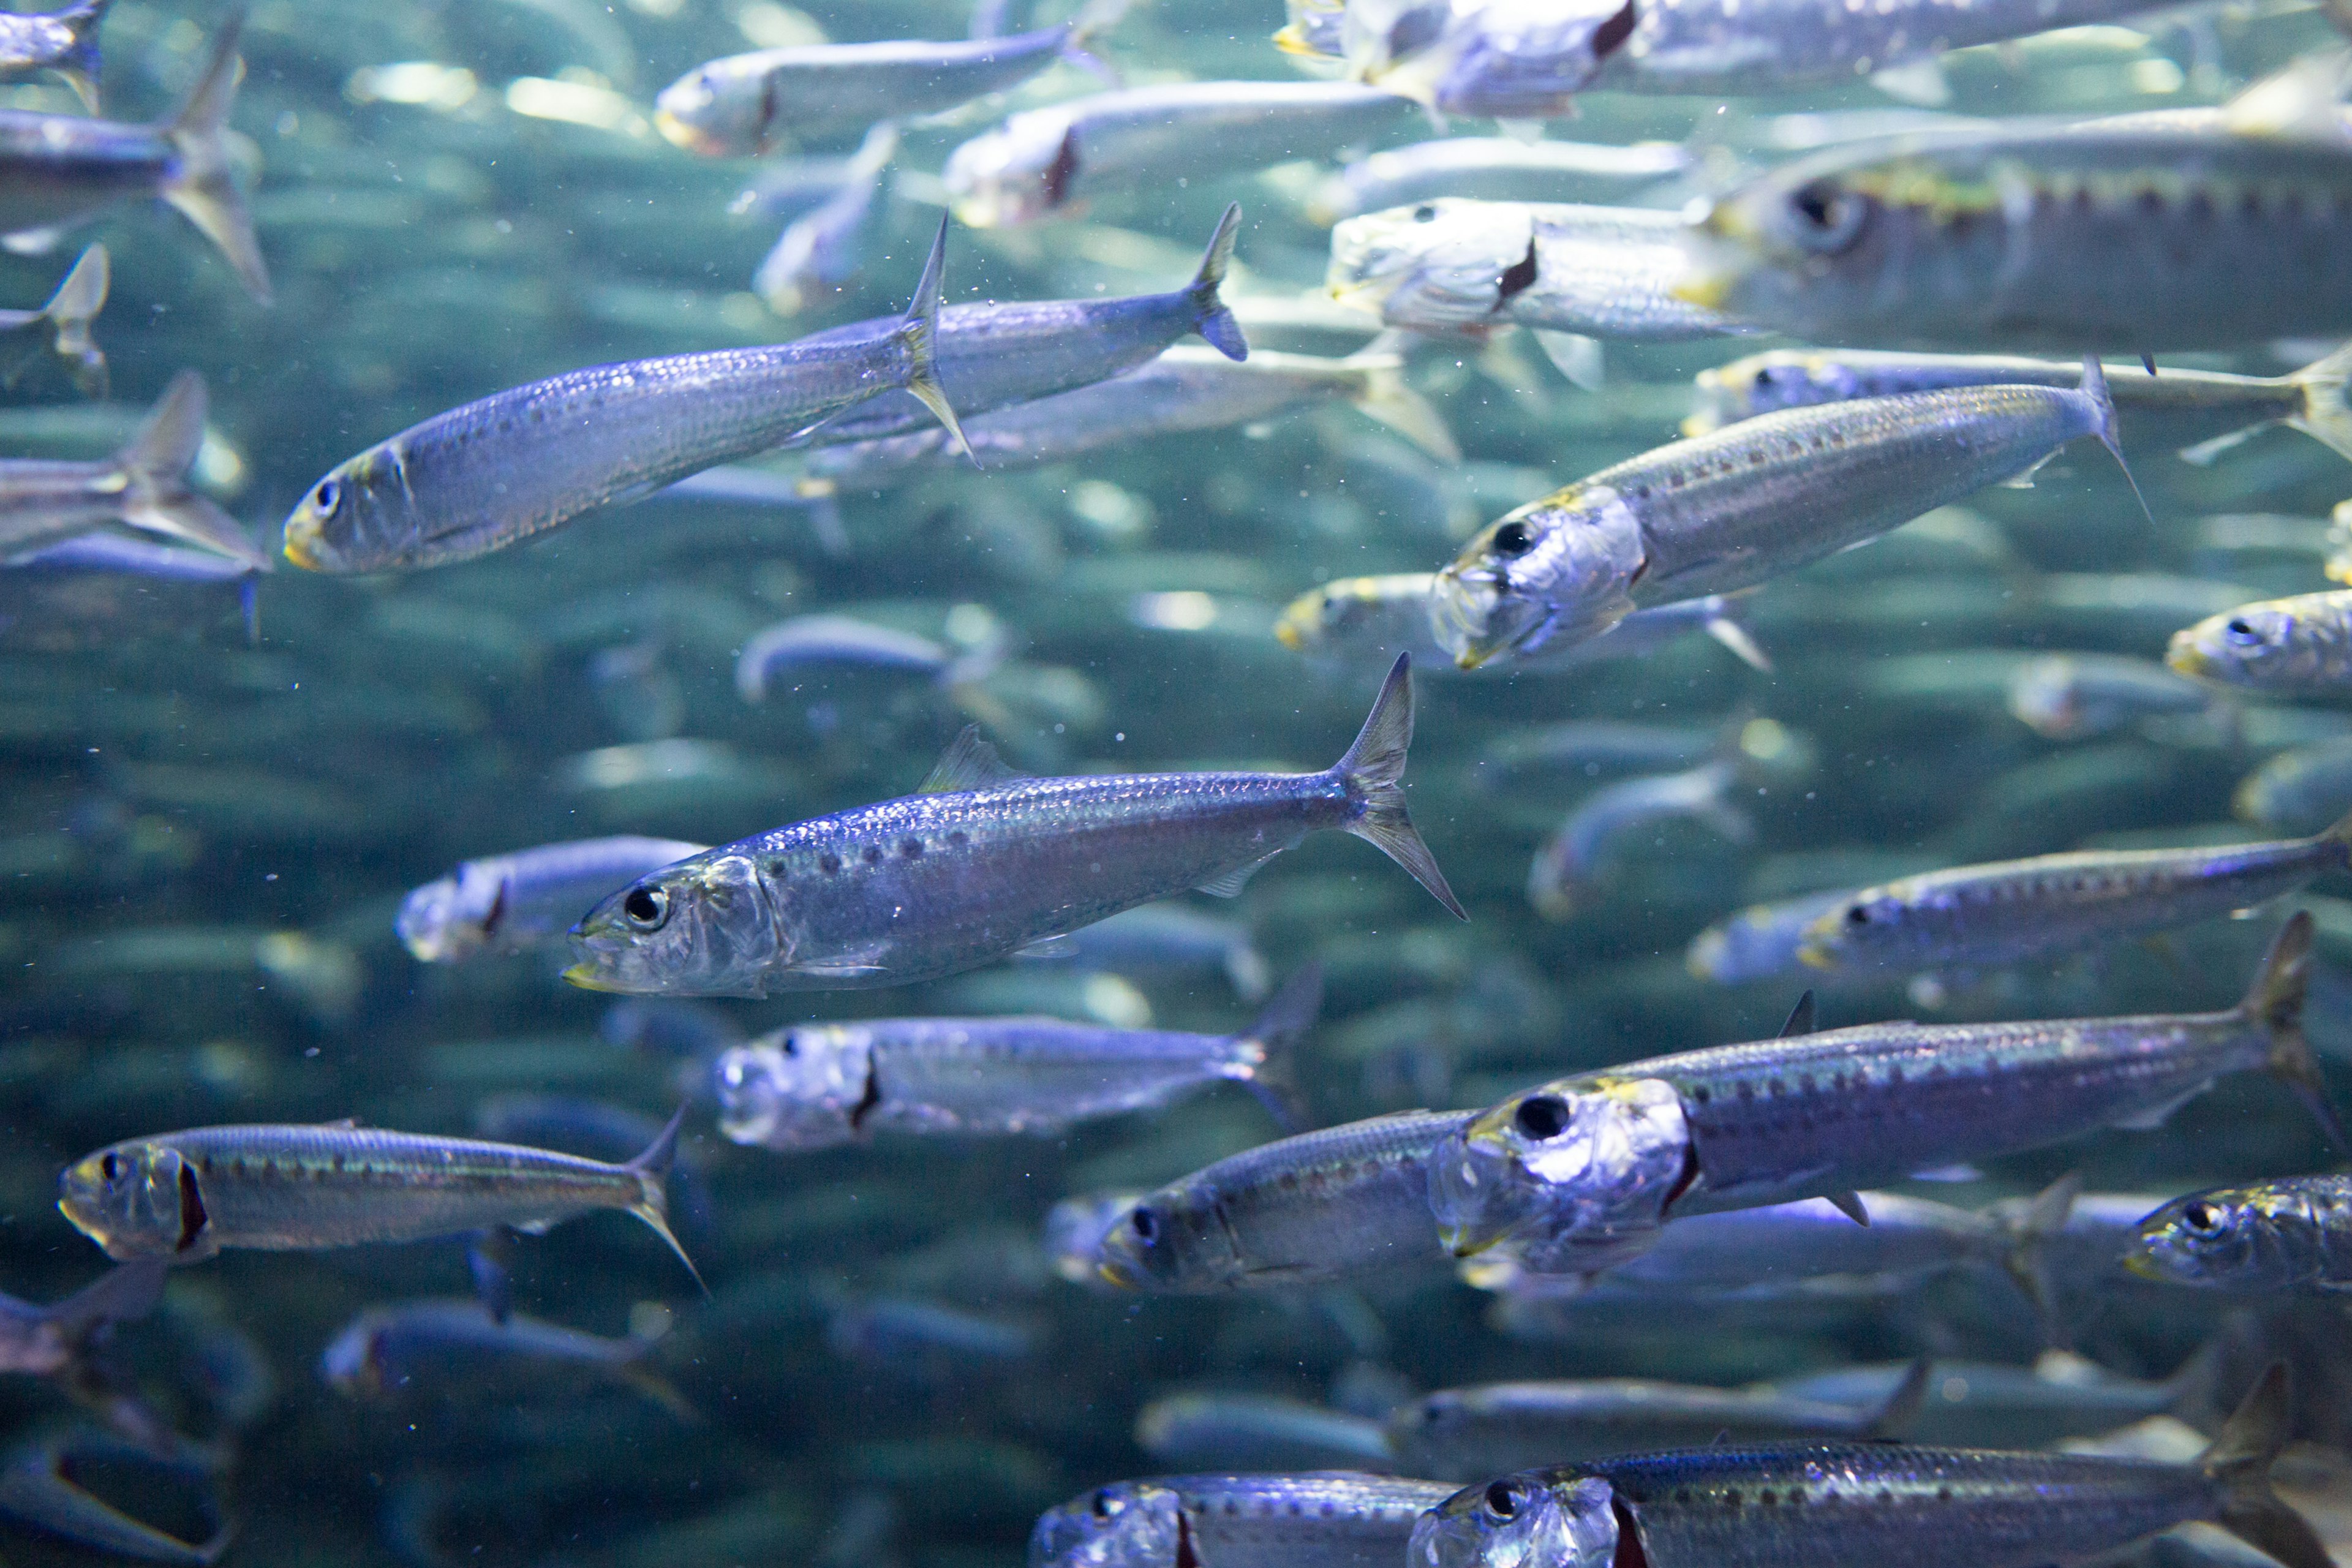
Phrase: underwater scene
[1176,784]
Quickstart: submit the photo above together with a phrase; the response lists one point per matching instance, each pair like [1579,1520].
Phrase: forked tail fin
[2327,415]
[78,63]
[2026,1255]
[651,1206]
[2094,387]
[204,186]
[1276,1031]
[154,466]
[70,311]
[1210,318]
[2238,1462]
[1372,771]
[2275,1002]
[919,332]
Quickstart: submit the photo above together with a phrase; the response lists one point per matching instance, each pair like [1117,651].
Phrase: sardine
[1574,863]
[47,1341]
[37,1489]
[1167,940]
[512,903]
[2299,790]
[57,170]
[1345,1201]
[2298,647]
[1257,1432]
[817,252]
[813,1086]
[2294,1234]
[1979,1405]
[1862,1506]
[60,328]
[1489,168]
[191,1195]
[1329,1519]
[1725,511]
[1582,1174]
[1395,612]
[1761,941]
[820,640]
[2075,695]
[503,468]
[454,1349]
[64,41]
[982,864]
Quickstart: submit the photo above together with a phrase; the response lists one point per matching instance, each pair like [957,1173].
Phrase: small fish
[2290,1234]
[2007,910]
[1984,1406]
[2298,647]
[1473,1433]
[191,1195]
[60,328]
[1039,162]
[144,486]
[981,865]
[36,1490]
[1256,1432]
[1572,867]
[512,903]
[2199,414]
[1580,1174]
[819,640]
[1452,265]
[47,1341]
[2076,696]
[1717,513]
[498,469]
[455,1349]
[1489,168]
[813,1086]
[1396,612]
[57,170]
[1345,1201]
[64,41]
[1328,1519]
[817,252]
[2111,238]
[1863,1505]
[1762,942]
[2299,790]
[911,1335]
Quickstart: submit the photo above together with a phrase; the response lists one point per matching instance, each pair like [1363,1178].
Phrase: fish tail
[1210,318]
[2094,387]
[919,332]
[2327,414]
[1371,771]
[1903,1404]
[154,465]
[128,1290]
[70,311]
[655,1384]
[652,1171]
[1276,1031]
[1381,393]
[2027,1254]
[2239,1463]
[204,187]
[80,62]
[2275,1002]
[1727,624]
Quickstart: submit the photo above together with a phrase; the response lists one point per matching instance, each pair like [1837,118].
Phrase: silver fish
[1582,1174]
[36,1488]
[1572,866]
[1256,1432]
[1980,1405]
[1724,512]
[1165,940]
[2075,695]
[512,903]
[1076,1229]
[64,41]
[2290,1234]
[817,252]
[2011,910]
[1395,612]
[47,1340]
[1861,1506]
[1331,1518]
[814,1086]
[144,486]
[1489,168]
[503,468]
[60,328]
[1345,1201]
[455,1349]
[981,865]
[2300,790]
[2298,647]
[57,170]
[1759,943]
[822,639]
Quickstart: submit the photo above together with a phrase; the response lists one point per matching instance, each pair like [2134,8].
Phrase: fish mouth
[693,138]
[588,976]
[2185,657]
[2147,1267]
[1706,288]
[1111,1274]
[1475,621]
[303,537]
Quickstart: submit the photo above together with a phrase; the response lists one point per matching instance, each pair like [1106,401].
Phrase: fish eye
[1425,213]
[1542,1117]
[1767,377]
[1858,914]
[1513,539]
[646,907]
[111,1167]
[791,1042]
[1827,219]
[1503,1499]
[2240,632]
[327,496]
[1145,1225]
[2203,1218]
[1105,1504]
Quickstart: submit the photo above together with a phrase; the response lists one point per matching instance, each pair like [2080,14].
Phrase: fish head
[721,109]
[139,1199]
[1572,1176]
[1560,569]
[1020,172]
[1359,613]
[2046,695]
[1129,1524]
[801,1088]
[1805,246]
[1166,1241]
[452,919]
[357,518]
[353,1362]
[1436,265]
[1767,383]
[1423,1433]
[703,927]
[1872,923]
[2218,1240]
[2266,645]
[1536,1519]
[1076,1229]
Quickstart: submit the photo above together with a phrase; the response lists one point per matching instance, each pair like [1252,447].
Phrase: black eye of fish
[1829,220]
[1503,1499]
[1513,539]
[1145,1224]
[2241,632]
[1540,1118]
[1105,1505]
[111,1168]
[1425,213]
[2203,1218]
[1857,915]
[646,906]
[327,497]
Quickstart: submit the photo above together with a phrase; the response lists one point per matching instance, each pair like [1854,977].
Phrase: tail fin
[78,61]
[2094,387]
[653,1384]
[1727,623]
[2326,416]
[71,309]
[1210,318]
[1381,394]
[128,1290]
[204,188]
[2275,1002]
[2239,1463]
[2026,1257]
[154,465]
[1903,1404]
[1372,770]
[1277,1032]
[651,1169]
[919,331]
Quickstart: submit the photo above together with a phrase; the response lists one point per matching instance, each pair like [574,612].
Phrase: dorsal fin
[343,1124]
[969,763]
[1801,1018]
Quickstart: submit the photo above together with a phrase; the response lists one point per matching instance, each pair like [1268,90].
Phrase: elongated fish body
[1042,161]
[994,355]
[1256,1432]
[1759,943]
[932,884]
[2297,647]
[36,1488]
[1789,1244]
[2008,239]
[190,1195]
[503,468]
[1581,1173]
[2073,696]
[1719,513]
[1329,1519]
[818,640]
[1980,1405]
[2012,909]
[2290,1234]
[813,1086]
[1571,866]
[1342,1201]
[1490,168]
[65,41]
[2196,413]
[451,1347]
[739,106]
[1450,265]
[512,903]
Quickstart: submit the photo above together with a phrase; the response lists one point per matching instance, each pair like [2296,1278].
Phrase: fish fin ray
[2327,414]
[652,1171]
[1849,1205]
[2026,1255]
[1211,318]
[2240,1459]
[205,189]
[919,332]
[1229,884]
[2094,387]
[1903,1404]
[970,763]
[1372,770]
[1802,1017]
[1280,1024]
[2275,1002]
